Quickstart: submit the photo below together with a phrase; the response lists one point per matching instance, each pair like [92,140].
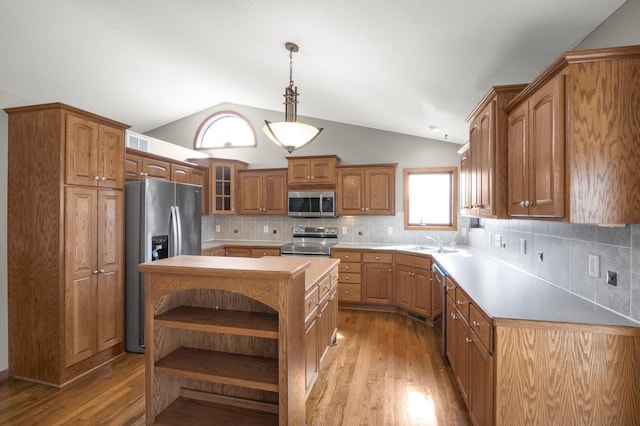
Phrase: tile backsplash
[559,253]
[359,229]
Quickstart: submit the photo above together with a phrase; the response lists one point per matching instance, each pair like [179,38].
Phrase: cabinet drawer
[237,251]
[349,278]
[450,288]
[462,303]
[423,262]
[377,257]
[259,252]
[347,256]
[481,326]
[350,267]
[349,292]
[311,301]
[324,287]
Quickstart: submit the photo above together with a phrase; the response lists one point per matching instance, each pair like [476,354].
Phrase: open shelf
[255,324]
[221,367]
[186,411]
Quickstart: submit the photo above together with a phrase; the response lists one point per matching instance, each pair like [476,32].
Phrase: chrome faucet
[436,240]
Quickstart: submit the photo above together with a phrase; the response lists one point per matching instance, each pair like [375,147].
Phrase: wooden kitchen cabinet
[65,242]
[349,275]
[94,251]
[366,190]
[313,171]
[223,178]
[413,284]
[377,278]
[536,153]
[262,192]
[94,153]
[485,192]
[465,179]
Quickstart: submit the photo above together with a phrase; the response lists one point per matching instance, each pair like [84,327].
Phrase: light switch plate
[266,229]
[344,230]
[390,230]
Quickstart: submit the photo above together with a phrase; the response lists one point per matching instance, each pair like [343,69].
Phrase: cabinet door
[326,331]
[250,193]
[350,192]
[461,371]
[197,176]
[222,190]
[377,283]
[323,171]
[237,251]
[180,173]
[465,181]
[450,328]
[111,157]
[518,161]
[275,192]
[421,301]
[156,169]
[81,151]
[546,158]
[81,272]
[333,313]
[133,167]
[474,162]
[311,349]
[403,284]
[299,171]
[480,383]
[380,192]
[110,251]
[486,150]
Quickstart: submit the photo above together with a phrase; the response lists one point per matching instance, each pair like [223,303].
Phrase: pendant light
[290,134]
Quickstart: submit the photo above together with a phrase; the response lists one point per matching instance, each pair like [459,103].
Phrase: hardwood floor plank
[385,370]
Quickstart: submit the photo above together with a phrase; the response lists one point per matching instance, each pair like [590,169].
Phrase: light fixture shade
[290,135]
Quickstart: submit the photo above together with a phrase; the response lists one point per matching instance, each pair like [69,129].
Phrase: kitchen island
[225,338]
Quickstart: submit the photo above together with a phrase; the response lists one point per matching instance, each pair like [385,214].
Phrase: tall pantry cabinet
[65,242]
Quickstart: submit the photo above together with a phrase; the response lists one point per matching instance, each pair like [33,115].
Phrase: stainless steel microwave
[312,204]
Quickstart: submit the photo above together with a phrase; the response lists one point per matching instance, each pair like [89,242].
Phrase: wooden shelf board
[240,323]
[186,411]
[221,367]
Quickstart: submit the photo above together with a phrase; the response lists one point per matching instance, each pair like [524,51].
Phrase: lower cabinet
[377,277]
[468,343]
[414,289]
[241,251]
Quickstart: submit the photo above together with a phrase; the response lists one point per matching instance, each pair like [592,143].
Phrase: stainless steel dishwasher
[439,326]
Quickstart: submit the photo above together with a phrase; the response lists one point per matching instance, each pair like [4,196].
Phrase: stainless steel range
[311,241]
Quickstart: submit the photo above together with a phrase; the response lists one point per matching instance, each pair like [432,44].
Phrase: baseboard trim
[4,375]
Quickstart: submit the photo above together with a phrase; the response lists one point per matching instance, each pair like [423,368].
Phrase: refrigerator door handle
[173,239]
[179,227]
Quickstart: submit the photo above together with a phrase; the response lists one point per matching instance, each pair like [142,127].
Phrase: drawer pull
[346,257]
[346,292]
[377,257]
[346,268]
[346,278]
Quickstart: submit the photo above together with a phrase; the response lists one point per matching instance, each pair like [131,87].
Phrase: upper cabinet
[94,153]
[313,171]
[574,139]
[262,192]
[536,153]
[485,191]
[222,181]
[366,190]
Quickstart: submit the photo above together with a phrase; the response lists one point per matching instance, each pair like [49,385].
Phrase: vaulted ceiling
[402,66]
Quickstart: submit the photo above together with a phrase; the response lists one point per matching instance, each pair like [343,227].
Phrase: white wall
[6,100]
[622,28]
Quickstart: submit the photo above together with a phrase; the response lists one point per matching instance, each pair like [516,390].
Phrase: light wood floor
[385,370]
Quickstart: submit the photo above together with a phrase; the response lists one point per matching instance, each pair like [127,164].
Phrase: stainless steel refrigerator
[163,219]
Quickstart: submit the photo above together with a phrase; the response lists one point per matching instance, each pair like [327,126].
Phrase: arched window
[224,129]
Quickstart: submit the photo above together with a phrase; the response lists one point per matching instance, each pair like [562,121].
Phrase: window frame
[453,207]
[207,122]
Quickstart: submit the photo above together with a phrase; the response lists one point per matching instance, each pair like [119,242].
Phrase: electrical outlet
[497,240]
[612,278]
[266,229]
[344,230]
[217,228]
[463,231]
[390,230]
[594,265]
[540,256]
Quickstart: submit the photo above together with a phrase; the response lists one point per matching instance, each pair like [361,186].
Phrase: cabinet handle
[454,316]
[362,209]
[346,268]
[96,178]
[459,303]
[377,257]
[476,324]
[346,257]
[103,178]
[389,269]
[96,272]
[308,177]
[312,177]
[466,339]
[346,292]
[346,278]
[264,253]
[367,208]
[101,271]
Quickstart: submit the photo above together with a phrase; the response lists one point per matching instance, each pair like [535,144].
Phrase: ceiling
[402,66]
